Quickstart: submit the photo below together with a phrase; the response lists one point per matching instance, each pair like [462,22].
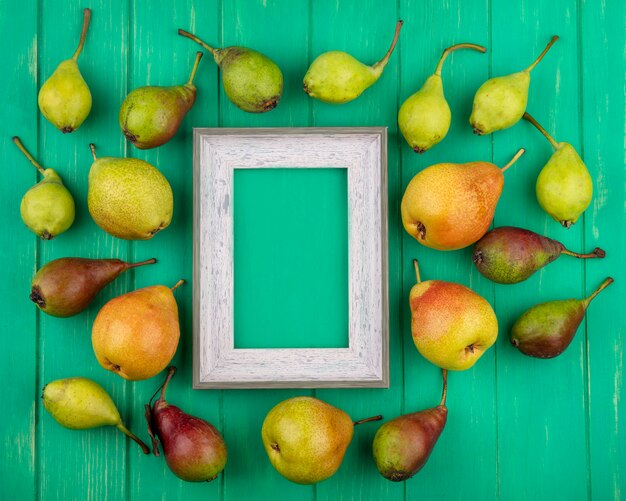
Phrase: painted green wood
[518,428]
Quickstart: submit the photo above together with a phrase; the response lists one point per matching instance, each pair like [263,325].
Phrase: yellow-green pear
[500,102]
[64,99]
[452,326]
[48,207]
[305,438]
[79,403]
[128,198]
[424,118]
[337,77]
[564,186]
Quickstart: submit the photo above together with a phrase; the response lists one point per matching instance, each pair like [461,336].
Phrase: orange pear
[452,326]
[450,206]
[136,334]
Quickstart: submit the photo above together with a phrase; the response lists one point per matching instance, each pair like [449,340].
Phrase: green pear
[64,99]
[336,77]
[48,207]
[564,186]
[424,118]
[151,115]
[79,403]
[252,81]
[128,198]
[306,438]
[500,102]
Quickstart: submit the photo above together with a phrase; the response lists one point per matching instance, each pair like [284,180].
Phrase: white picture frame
[216,362]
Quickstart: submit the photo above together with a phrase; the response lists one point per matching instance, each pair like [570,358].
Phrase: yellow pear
[450,206]
[452,326]
[136,334]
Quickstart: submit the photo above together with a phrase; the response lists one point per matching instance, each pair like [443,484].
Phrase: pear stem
[597,252]
[177,285]
[514,159]
[195,67]
[92,147]
[608,281]
[126,431]
[141,263]
[193,37]
[367,420]
[530,119]
[81,43]
[23,149]
[545,51]
[383,62]
[444,392]
[417,271]
[170,374]
[458,46]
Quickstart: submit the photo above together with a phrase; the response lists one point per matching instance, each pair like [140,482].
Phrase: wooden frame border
[216,363]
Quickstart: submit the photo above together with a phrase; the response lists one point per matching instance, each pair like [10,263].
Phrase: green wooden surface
[518,428]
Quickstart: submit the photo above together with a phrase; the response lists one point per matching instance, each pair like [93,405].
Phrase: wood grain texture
[518,428]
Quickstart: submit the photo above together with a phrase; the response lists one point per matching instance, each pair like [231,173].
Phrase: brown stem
[545,51]
[458,46]
[127,432]
[520,152]
[170,374]
[86,19]
[597,252]
[193,37]
[195,67]
[92,147]
[530,119]
[417,271]
[141,263]
[383,62]
[23,149]
[608,281]
[153,438]
[177,285]
[367,420]
[444,392]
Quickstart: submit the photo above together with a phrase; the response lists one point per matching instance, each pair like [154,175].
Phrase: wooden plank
[19,248]
[352,28]
[466,451]
[601,67]
[160,57]
[541,403]
[83,464]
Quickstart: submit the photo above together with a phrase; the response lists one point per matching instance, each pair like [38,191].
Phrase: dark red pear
[509,255]
[403,445]
[547,329]
[194,449]
[66,286]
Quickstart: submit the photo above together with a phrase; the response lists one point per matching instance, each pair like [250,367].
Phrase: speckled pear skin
[452,326]
[129,198]
[450,206]
[306,439]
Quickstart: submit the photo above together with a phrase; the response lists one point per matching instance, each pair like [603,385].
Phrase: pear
[547,329]
[450,206]
[336,77]
[135,335]
[128,198]
[564,187]
[252,81]
[194,450]
[48,207]
[509,255]
[79,403]
[424,118]
[500,102]
[151,115]
[64,99]
[305,438]
[403,445]
[66,286]
[452,326]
